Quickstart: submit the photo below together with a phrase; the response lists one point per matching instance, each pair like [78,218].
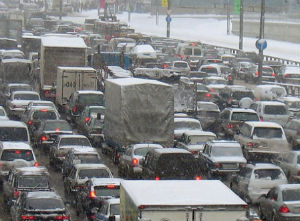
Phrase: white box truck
[179,200]
[71,79]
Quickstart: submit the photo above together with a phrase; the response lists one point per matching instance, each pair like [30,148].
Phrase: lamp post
[261,36]
[241,25]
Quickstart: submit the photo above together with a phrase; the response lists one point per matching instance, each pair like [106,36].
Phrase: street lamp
[261,36]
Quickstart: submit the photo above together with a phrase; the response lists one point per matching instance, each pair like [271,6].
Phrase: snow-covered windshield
[37,181]
[227,151]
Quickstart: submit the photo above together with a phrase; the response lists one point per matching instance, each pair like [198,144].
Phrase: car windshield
[88,158]
[269,174]
[244,116]
[115,209]
[291,195]
[44,115]
[275,109]
[15,154]
[13,134]
[238,95]
[186,125]
[26,97]
[44,204]
[37,181]
[199,139]
[108,190]
[180,65]
[93,173]
[143,151]
[267,132]
[91,99]
[70,141]
[226,152]
[57,126]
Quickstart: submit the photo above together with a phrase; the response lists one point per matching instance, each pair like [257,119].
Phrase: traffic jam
[100,123]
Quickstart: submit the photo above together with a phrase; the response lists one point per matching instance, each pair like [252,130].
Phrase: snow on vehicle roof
[63,42]
[12,123]
[31,36]
[25,92]
[171,150]
[272,103]
[244,110]
[143,49]
[263,124]
[224,143]
[119,72]
[263,166]
[14,60]
[31,170]
[199,133]
[106,181]
[145,145]
[76,68]
[91,166]
[84,150]
[180,119]
[71,136]
[288,186]
[135,81]
[43,194]
[269,86]
[89,92]
[180,193]
[17,84]
[16,145]
[289,99]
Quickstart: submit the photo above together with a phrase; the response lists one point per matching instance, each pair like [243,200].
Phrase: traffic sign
[168,19]
[164,3]
[261,44]
[236,6]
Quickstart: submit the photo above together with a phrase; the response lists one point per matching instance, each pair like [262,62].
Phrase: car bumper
[289,217]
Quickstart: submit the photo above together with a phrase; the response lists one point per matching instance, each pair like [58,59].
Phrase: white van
[14,131]
[269,92]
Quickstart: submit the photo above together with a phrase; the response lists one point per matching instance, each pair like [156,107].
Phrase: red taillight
[261,119]
[61,217]
[92,194]
[229,77]
[134,162]
[257,73]
[229,126]
[57,129]
[298,173]
[43,138]
[241,165]
[284,209]
[212,90]
[110,186]
[27,217]
[181,56]
[16,193]
[286,75]
[165,66]
[207,95]
[86,119]
[92,216]
[47,92]
[17,152]
[44,110]
[273,74]
[250,144]
[36,164]
[198,178]
[157,178]
[118,154]
[29,122]
[74,109]
[230,99]
[217,165]
[193,152]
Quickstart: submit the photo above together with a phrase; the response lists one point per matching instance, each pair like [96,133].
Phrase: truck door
[88,81]
[69,84]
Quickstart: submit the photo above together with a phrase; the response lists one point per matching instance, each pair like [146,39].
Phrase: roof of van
[263,124]
[170,150]
[180,193]
[16,145]
[63,42]
[12,123]
[135,81]
[76,68]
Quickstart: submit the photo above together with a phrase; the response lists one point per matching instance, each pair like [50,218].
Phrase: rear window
[143,151]
[109,190]
[266,132]
[227,152]
[44,204]
[88,158]
[180,65]
[225,70]
[291,195]
[44,115]
[269,174]
[210,70]
[91,99]
[26,97]
[11,155]
[74,141]
[244,116]
[275,109]
[13,134]
[238,95]
[187,124]
[193,140]
[33,182]
[57,126]
[93,173]
[210,114]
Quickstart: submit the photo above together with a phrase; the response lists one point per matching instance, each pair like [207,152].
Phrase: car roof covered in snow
[135,81]
[63,42]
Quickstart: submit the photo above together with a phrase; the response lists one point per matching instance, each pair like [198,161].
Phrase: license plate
[229,166]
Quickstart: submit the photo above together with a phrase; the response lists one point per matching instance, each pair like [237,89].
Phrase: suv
[24,179]
[221,158]
[231,119]
[262,140]
[14,131]
[170,163]
[95,192]
[15,154]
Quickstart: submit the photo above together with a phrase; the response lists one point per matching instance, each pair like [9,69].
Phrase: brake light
[217,165]
[261,118]
[43,138]
[298,173]
[181,56]
[118,154]
[57,129]
[273,74]
[229,126]
[165,66]
[23,217]
[86,119]
[250,144]
[92,194]
[74,109]
[207,95]
[134,162]
[212,90]
[257,73]
[194,44]
[241,165]
[29,122]
[229,77]
[110,186]
[230,99]
[193,152]
[284,209]
[157,178]
[36,164]
[61,217]
[16,193]
[44,110]
[17,152]
[92,216]
[286,75]
[47,92]
[198,178]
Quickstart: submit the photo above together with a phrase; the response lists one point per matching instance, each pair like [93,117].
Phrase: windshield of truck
[40,181]
[108,190]
[238,95]
[275,110]
[199,139]
[13,134]
[44,204]
[88,158]
[244,116]
[227,152]
[93,173]
[115,209]
[91,99]
[269,174]
[13,154]
[44,115]
[267,132]
[187,125]
[57,126]
[70,141]
[26,97]
[291,195]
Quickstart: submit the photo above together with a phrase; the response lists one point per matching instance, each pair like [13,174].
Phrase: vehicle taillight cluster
[16,193]
[62,218]
[24,217]
[92,194]
[284,209]
[134,162]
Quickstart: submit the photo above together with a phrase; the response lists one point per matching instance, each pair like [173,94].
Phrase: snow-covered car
[293,104]
[255,180]
[208,114]
[183,124]
[110,208]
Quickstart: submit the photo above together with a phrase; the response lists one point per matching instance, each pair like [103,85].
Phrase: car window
[291,195]
[187,124]
[268,174]
[44,115]
[44,204]
[267,132]
[26,97]
[13,134]
[88,158]
[244,116]
[275,110]
[91,173]
[57,126]
[108,190]
[219,151]
[91,99]
[245,172]
[33,182]
[13,154]
[74,141]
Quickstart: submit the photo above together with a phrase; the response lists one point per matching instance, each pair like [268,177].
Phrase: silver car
[290,164]
[282,203]
[253,181]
